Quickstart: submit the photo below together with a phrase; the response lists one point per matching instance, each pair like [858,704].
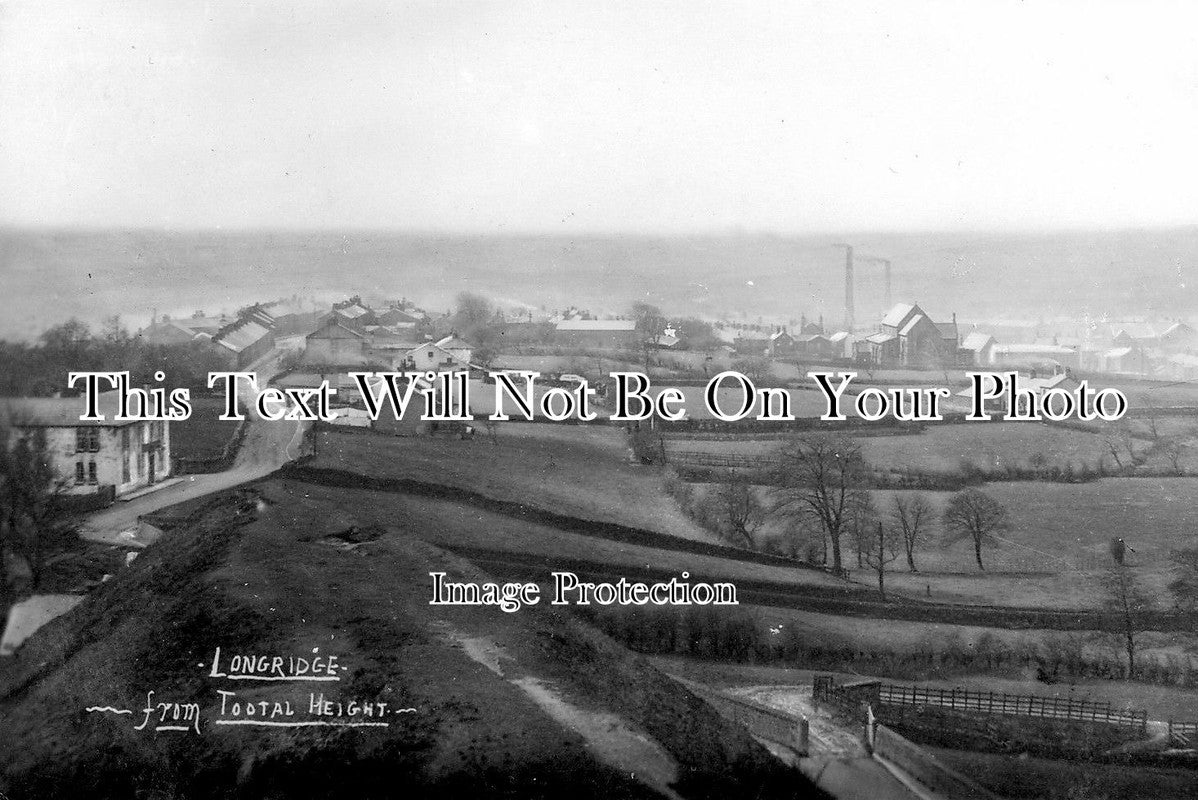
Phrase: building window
[79,478]
[125,468]
[87,440]
[125,439]
[91,473]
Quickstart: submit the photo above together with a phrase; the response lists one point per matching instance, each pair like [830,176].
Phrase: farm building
[105,455]
[1126,360]
[456,347]
[1038,386]
[596,332]
[396,317]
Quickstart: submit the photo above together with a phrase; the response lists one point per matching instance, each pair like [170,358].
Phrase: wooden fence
[1023,705]
[1013,704]
[1183,734]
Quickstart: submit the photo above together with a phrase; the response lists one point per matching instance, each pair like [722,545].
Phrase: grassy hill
[530,704]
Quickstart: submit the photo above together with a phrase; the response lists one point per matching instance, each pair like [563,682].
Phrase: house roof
[779,335]
[323,331]
[911,323]
[668,341]
[59,412]
[948,330]
[895,316]
[880,338]
[839,336]
[452,342]
[976,340]
[597,325]
[1117,352]
[241,336]
[352,312]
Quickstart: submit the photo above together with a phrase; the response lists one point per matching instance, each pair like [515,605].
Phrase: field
[201,435]
[945,448]
[583,470]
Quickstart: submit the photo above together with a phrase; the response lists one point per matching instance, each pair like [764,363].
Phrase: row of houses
[237,341]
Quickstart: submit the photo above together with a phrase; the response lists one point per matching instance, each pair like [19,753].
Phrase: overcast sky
[560,116]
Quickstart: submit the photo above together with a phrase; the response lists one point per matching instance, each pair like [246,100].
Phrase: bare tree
[885,546]
[820,477]
[912,514]
[863,514]
[976,516]
[737,509]
[1127,603]
[1184,585]
[1119,443]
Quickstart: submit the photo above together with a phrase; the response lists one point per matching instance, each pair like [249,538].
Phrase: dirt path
[610,737]
[266,447]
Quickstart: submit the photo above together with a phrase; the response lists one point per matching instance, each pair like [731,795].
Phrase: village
[953,546]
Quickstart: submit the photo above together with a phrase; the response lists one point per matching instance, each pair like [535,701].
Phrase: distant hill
[92,274]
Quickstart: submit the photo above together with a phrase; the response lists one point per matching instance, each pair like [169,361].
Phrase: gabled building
[977,347]
[104,455]
[599,333]
[336,343]
[781,344]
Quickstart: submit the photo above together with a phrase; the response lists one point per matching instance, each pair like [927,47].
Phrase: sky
[663,117]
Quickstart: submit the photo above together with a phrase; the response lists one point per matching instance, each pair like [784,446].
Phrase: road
[266,447]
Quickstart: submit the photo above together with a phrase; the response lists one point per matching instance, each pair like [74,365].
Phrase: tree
[819,477]
[976,516]
[473,317]
[1127,602]
[34,520]
[737,509]
[650,325]
[885,545]
[862,516]
[1184,586]
[1119,442]
[911,514]
[758,369]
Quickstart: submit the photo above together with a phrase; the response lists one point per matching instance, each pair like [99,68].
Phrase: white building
[92,455]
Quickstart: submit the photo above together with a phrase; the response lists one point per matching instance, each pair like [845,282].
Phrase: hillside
[478,702]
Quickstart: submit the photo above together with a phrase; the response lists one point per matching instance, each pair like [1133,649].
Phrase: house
[878,350]
[243,342]
[433,357]
[168,331]
[395,317]
[1179,338]
[781,344]
[814,345]
[1122,359]
[336,343]
[1038,386]
[842,344]
[606,333]
[976,347]
[459,349]
[105,455]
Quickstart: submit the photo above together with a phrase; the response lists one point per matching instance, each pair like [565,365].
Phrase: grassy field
[945,448]
[583,470]
[201,435]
